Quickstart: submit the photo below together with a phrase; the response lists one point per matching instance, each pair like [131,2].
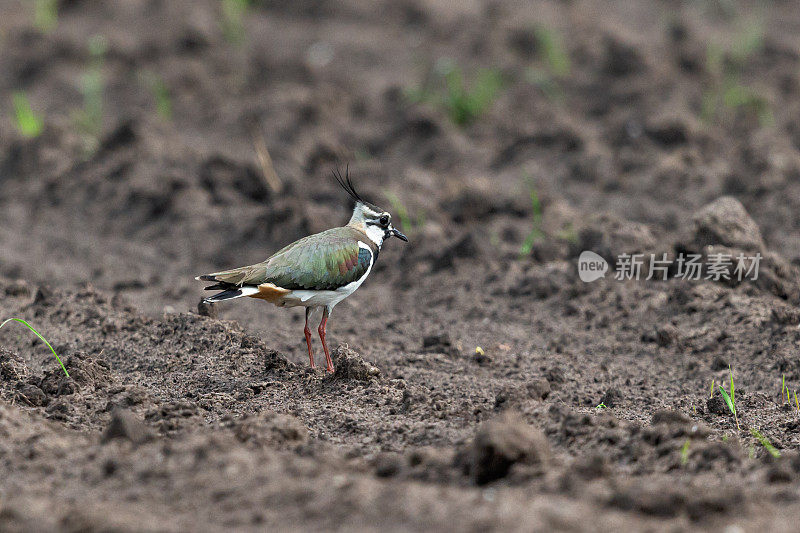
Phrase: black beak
[397,234]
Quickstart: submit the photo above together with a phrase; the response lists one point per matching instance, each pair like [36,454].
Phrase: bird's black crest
[347,183]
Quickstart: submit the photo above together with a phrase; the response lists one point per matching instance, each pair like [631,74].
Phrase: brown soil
[172,421]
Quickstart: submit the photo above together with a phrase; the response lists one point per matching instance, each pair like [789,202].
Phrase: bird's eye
[384,220]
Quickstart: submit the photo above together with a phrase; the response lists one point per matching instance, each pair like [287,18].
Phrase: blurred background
[145,141]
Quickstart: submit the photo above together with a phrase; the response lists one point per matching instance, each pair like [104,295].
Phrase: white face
[375,222]
[375,234]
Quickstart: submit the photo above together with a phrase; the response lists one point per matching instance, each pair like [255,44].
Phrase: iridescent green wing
[324,261]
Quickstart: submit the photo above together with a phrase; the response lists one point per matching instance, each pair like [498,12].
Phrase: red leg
[308,338]
[322,325]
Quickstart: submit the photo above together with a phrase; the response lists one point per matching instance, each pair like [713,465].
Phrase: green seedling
[712,389]
[90,118]
[738,96]
[463,104]
[785,390]
[45,15]
[233,15]
[765,443]
[730,399]
[724,68]
[28,124]
[161,94]
[407,224]
[685,452]
[40,338]
[783,385]
[556,62]
[536,234]
[552,51]
[796,403]
[601,405]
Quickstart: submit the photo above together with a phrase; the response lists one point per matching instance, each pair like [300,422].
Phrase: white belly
[312,299]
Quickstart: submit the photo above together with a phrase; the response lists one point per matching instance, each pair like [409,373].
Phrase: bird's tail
[230,294]
[229,290]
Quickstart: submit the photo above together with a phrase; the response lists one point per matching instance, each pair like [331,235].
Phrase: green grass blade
[685,452]
[160,91]
[765,443]
[163,100]
[233,17]
[733,392]
[553,51]
[45,15]
[26,120]
[727,399]
[536,232]
[40,337]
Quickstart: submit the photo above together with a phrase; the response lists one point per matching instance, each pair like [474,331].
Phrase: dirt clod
[32,395]
[610,236]
[387,465]
[667,334]
[539,388]
[350,365]
[726,222]
[206,309]
[125,425]
[501,443]
[669,416]
[439,343]
[276,361]
[270,429]
[622,58]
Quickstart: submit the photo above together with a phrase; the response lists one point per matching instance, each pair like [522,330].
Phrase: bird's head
[367,217]
[375,222]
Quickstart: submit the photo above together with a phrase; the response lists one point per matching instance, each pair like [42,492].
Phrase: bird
[317,271]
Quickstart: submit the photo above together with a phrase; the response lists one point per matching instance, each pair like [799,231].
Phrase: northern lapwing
[320,270]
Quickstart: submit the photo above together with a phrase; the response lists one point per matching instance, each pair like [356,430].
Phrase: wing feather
[324,261]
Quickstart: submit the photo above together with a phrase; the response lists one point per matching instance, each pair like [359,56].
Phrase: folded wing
[324,261]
